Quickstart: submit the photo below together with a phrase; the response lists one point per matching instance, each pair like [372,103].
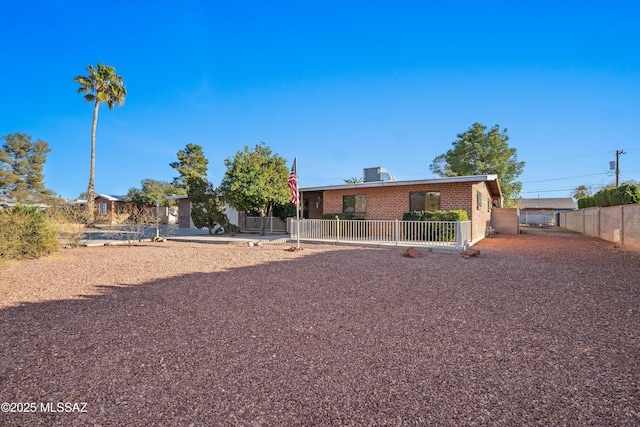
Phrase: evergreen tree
[478,152]
[191,163]
[21,168]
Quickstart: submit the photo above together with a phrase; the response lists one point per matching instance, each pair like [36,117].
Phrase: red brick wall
[481,215]
[390,202]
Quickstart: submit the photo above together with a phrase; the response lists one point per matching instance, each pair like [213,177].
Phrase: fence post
[397,231]
[337,228]
[458,235]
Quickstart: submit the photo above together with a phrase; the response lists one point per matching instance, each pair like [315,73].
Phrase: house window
[102,208]
[354,204]
[479,197]
[426,201]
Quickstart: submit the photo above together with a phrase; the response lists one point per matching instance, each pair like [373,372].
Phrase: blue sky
[342,85]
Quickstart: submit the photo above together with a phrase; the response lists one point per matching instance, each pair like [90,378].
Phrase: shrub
[433,232]
[453,215]
[69,221]
[26,233]
[625,194]
[341,216]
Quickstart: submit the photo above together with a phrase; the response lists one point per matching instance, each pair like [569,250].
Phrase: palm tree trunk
[91,189]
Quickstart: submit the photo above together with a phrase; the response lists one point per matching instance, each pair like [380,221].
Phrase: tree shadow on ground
[361,336]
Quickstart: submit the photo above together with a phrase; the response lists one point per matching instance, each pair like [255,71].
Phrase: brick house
[391,199]
[108,207]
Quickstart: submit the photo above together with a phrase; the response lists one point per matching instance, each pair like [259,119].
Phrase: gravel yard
[539,330]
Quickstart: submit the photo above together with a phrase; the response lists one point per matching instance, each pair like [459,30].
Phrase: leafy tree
[101,85]
[21,164]
[191,163]
[581,191]
[478,152]
[256,180]
[153,191]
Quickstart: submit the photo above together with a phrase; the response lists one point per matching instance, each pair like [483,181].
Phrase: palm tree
[102,85]
[354,180]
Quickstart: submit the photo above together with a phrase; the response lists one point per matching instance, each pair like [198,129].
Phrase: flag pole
[292,182]
[297,207]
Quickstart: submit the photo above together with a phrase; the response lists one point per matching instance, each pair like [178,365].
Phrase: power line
[569,177]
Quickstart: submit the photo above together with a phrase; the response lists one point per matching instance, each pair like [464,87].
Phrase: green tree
[481,152]
[191,163]
[101,85]
[207,208]
[581,191]
[256,180]
[152,191]
[21,165]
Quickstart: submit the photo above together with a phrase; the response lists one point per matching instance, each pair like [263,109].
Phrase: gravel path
[539,330]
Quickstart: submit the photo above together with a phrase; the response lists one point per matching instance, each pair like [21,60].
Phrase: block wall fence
[617,224]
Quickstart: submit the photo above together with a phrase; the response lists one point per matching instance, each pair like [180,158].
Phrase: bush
[433,232]
[625,194]
[341,216]
[453,215]
[26,233]
[70,221]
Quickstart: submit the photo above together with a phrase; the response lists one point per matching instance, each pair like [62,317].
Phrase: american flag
[293,182]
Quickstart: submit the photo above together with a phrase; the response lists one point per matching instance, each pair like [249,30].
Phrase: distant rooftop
[548,203]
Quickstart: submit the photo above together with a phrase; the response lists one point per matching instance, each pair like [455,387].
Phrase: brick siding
[391,202]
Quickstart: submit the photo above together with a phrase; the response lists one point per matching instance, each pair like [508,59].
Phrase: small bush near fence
[625,194]
[340,216]
[436,232]
[26,233]
[453,215]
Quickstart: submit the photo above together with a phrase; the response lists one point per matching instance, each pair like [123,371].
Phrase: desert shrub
[70,221]
[26,233]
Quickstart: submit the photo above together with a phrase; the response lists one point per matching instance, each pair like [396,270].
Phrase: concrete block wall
[506,220]
[617,224]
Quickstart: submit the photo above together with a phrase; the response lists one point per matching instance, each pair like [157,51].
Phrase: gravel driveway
[539,330]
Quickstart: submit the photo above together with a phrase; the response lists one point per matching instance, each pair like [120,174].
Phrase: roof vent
[377,174]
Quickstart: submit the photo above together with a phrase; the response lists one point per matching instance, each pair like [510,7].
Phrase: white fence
[454,234]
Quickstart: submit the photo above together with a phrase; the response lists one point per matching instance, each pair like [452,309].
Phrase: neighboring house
[108,207]
[391,199]
[544,211]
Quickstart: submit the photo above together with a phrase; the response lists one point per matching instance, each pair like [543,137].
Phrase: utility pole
[618,153]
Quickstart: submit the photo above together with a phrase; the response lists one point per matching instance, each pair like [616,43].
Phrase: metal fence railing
[455,234]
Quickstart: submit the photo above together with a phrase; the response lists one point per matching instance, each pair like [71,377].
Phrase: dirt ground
[541,329]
